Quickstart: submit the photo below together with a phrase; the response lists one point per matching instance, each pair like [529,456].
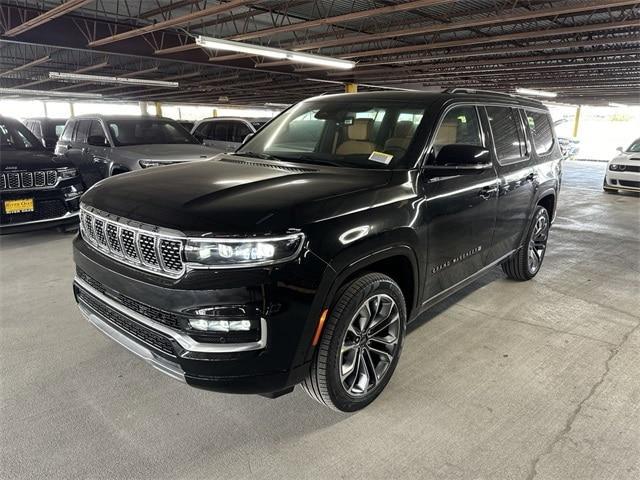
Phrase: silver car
[101,146]
[226,133]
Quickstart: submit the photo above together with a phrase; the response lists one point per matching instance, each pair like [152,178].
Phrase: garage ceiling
[586,51]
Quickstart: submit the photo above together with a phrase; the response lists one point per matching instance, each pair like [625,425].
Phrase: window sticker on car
[380,157]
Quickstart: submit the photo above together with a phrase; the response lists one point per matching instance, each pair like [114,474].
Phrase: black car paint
[31,160]
[434,234]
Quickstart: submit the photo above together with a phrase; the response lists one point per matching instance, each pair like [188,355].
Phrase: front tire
[361,344]
[526,262]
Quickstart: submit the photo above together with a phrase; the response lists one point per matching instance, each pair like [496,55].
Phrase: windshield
[366,134]
[15,136]
[634,147]
[146,131]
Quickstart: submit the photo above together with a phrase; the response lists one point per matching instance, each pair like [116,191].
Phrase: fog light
[220,325]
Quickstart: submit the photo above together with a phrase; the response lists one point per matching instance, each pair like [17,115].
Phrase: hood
[178,153]
[18,160]
[236,195]
[627,158]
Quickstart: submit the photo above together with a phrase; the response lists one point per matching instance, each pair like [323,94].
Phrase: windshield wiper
[310,159]
[263,156]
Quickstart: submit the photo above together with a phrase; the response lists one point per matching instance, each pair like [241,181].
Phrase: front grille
[132,243]
[39,178]
[146,335]
[629,183]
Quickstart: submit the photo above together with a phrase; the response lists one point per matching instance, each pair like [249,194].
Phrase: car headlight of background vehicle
[616,167]
[243,252]
[67,172]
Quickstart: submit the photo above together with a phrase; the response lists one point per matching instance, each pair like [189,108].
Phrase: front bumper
[52,208]
[622,180]
[109,295]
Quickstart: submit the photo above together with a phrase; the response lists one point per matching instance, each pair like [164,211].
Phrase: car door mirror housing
[460,160]
[97,141]
[619,149]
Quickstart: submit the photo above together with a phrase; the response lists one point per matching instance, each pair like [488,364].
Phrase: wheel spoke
[386,355]
[373,331]
[371,368]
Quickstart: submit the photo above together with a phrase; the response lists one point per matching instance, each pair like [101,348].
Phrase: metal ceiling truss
[564,45]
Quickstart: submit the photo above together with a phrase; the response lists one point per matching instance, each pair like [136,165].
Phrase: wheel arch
[547,199]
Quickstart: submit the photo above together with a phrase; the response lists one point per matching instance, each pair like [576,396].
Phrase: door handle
[486,192]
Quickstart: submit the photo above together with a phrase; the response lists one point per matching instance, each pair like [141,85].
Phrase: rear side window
[507,136]
[540,126]
[67,132]
[240,132]
[203,130]
[96,129]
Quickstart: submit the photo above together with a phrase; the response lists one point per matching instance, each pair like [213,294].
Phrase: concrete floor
[506,381]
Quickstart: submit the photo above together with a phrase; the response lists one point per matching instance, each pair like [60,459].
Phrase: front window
[634,147]
[365,134]
[15,136]
[144,131]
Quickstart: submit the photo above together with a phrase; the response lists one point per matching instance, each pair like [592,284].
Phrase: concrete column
[576,122]
[351,88]
[71,110]
[158,109]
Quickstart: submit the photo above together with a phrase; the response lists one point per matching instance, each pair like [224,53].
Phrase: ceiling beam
[535,34]
[347,17]
[45,17]
[33,63]
[174,22]
[467,24]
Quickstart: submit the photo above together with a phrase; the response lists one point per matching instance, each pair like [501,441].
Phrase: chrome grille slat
[39,178]
[142,247]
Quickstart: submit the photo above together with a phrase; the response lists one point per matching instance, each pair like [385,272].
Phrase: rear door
[461,209]
[80,154]
[512,151]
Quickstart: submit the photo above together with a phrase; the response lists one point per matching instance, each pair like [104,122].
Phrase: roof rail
[489,92]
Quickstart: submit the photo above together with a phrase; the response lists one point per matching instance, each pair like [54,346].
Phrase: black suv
[302,257]
[36,189]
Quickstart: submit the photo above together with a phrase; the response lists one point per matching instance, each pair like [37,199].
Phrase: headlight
[617,167]
[154,163]
[67,172]
[243,252]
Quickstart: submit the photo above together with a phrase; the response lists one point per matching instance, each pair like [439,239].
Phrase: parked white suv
[623,171]
[226,133]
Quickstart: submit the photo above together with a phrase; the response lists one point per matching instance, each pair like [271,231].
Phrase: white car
[623,171]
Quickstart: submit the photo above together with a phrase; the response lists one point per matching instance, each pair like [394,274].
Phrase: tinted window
[240,132]
[67,132]
[222,131]
[15,136]
[506,133]
[634,147]
[148,131]
[203,130]
[96,129]
[82,131]
[540,126]
[460,126]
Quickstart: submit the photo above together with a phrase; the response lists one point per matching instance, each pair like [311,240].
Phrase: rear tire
[526,262]
[360,345]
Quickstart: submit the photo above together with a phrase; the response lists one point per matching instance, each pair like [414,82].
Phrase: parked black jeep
[302,257]
[36,189]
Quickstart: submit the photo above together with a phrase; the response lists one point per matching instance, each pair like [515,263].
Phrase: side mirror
[460,160]
[619,149]
[97,141]
[247,138]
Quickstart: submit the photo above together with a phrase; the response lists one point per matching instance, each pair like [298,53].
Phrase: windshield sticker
[380,157]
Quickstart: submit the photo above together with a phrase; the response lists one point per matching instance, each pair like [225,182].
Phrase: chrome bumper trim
[165,366]
[44,220]
[185,341]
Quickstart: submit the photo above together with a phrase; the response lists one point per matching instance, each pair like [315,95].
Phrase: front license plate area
[22,205]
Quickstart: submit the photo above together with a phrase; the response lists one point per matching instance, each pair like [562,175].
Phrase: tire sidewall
[339,396]
[540,212]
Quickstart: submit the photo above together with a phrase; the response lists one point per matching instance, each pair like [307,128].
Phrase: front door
[461,209]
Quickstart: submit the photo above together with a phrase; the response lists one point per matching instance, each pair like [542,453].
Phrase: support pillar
[576,122]
[350,88]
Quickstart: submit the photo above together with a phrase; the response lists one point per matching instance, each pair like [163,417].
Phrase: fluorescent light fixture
[277,105]
[277,53]
[46,93]
[102,79]
[536,93]
[619,105]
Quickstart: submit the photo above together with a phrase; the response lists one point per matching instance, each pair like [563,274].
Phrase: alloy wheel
[370,344]
[538,243]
